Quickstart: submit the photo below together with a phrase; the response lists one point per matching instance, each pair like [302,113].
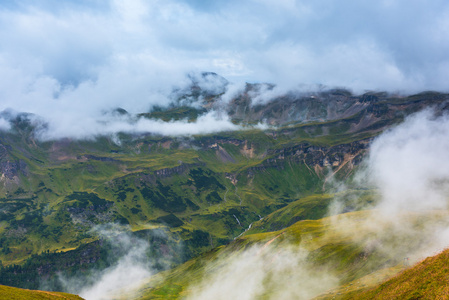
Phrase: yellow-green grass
[11,293]
[359,285]
[311,207]
[428,279]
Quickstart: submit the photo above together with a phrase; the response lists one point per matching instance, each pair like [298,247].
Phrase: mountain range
[276,196]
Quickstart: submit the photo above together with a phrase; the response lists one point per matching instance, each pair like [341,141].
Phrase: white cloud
[124,277]
[83,128]
[409,167]
[131,263]
[4,124]
[82,58]
[264,271]
[410,164]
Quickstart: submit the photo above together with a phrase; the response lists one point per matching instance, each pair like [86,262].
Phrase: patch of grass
[11,293]
[309,208]
[174,114]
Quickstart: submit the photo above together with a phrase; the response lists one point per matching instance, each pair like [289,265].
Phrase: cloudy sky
[64,56]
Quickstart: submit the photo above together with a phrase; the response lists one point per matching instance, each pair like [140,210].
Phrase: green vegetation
[10,293]
[174,113]
[309,208]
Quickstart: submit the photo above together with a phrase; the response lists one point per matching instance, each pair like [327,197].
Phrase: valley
[190,210]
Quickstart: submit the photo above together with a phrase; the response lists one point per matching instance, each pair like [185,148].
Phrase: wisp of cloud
[408,166]
[274,273]
[124,276]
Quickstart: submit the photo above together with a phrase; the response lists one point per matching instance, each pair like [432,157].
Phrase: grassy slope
[326,246]
[330,244]
[311,207]
[426,280]
[11,293]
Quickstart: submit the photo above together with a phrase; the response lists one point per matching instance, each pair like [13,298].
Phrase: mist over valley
[225,150]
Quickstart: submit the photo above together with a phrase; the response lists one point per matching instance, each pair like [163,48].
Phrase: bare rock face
[315,157]
[10,169]
[167,172]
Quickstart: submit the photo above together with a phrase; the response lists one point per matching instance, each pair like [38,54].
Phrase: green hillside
[327,252]
[426,280]
[10,293]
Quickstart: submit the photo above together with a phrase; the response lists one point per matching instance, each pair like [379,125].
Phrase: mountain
[74,207]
